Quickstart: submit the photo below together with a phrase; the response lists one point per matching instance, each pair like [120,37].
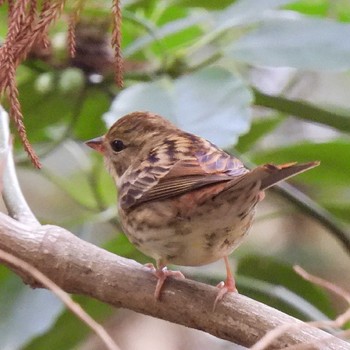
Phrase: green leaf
[212,102]
[280,276]
[338,119]
[326,8]
[76,184]
[247,11]
[3,22]
[311,7]
[259,128]
[241,13]
[175,27]
[104,185]
[25,312]
[303,43]
[120,245]
[341,210]
[89,123]
[46,110]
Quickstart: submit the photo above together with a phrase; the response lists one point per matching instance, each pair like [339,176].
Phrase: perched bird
[182,200]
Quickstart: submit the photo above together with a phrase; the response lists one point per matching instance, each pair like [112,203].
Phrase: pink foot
[162,273]
[225,287]
[261,196]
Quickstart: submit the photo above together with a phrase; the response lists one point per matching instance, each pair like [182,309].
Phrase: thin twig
[323,283]
[312,346]
[303,110]
[274,334]
[62,295]
[311,208]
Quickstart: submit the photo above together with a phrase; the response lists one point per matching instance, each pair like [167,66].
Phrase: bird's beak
[96,144]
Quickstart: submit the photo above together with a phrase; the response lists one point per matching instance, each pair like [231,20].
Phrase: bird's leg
[162,273]
[228,286]
[261,196]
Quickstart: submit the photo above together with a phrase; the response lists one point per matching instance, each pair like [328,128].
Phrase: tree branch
[13,197]
[82,268]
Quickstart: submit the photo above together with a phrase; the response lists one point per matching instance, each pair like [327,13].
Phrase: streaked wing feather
[175,174]
[176,186]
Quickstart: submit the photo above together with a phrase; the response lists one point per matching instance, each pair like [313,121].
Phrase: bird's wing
[170,177]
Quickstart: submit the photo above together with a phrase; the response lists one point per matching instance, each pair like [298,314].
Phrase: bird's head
[130,139]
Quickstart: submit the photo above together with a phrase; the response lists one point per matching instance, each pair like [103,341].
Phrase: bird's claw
[162,273]
[225,287]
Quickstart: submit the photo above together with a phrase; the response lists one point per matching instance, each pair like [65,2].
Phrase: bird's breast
[188,231]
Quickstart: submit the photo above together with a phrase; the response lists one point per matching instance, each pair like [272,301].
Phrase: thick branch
[82,268]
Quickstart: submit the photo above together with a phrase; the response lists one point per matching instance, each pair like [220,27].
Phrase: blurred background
[268,80]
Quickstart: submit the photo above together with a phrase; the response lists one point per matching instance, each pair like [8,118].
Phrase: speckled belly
[189,236]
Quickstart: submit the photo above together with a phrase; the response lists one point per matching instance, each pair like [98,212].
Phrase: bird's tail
[270,174]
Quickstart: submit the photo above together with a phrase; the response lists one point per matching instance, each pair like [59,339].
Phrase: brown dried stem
[45,36]
[72,22]
[16,113]
[25,27]
[117,42]
[7,53]
[49,13]
[28,26]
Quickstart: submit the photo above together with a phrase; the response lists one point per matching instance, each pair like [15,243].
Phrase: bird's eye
[117,145]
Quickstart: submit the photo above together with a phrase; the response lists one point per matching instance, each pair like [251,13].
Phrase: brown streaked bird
[182,200]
